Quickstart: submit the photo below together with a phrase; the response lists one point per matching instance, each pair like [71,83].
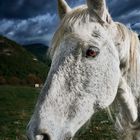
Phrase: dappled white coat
[79,85]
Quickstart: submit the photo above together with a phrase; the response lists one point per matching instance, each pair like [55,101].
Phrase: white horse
[95,62]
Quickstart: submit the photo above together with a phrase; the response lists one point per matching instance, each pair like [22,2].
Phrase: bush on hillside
[32,79]
[2,80]
[14,80]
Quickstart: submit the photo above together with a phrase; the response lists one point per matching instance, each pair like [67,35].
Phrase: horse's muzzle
[41,137]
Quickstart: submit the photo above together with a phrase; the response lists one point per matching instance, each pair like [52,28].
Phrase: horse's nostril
[46,137]
[42,137]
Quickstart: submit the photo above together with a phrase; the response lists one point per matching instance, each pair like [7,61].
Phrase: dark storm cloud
[124,7]
[29,30]
[127,12]
[21,9]
[28,21]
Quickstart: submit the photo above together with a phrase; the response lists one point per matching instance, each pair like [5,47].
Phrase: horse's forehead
[89,33]
[84,31]
[88,29]
[80,25]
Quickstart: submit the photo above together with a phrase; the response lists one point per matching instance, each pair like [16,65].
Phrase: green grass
[98,128]
[16,107]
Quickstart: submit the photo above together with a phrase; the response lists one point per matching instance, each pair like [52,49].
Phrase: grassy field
[16,107]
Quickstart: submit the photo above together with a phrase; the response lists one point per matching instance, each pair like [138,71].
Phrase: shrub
[32,79]
[2,80]
[14,81]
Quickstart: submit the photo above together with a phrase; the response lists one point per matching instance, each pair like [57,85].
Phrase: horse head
[85,72]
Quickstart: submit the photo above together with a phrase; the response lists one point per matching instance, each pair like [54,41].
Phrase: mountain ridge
[17,62]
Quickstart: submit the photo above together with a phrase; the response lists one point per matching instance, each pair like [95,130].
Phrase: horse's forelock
[79,15]
[66,26]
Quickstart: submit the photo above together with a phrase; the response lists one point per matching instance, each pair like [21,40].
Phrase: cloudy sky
[34,21]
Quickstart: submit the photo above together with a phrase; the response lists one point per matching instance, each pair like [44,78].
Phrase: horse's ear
[63,8]
[99,6]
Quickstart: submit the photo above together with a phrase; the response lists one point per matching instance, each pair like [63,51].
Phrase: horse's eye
[92,52]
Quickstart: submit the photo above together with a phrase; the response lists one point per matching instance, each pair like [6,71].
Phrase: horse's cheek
[103,81]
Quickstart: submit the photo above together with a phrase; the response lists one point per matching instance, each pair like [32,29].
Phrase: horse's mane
[128,37]
[65,26]
[129,57]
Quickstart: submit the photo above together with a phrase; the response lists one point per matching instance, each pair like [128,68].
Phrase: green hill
[39,50]
[15,61]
